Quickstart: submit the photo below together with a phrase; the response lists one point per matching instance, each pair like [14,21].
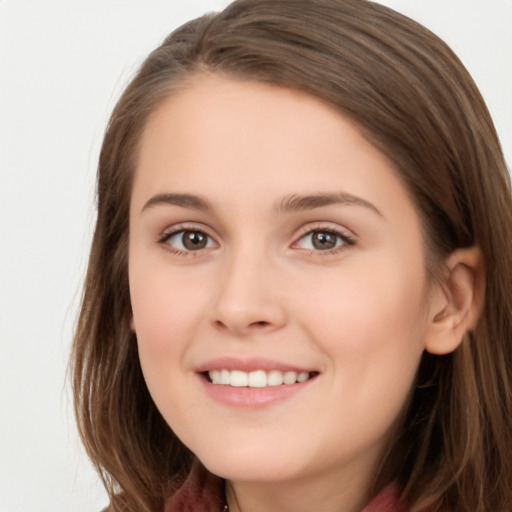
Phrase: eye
[323,240]
[189,240]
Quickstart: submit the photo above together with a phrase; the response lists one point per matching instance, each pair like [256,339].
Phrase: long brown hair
[413,99]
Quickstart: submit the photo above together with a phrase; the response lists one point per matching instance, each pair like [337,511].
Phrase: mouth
[257,378]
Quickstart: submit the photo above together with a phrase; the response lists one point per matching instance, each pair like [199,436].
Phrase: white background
[63,64]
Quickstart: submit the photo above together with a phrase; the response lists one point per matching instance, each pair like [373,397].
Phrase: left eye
[189,240]
[321,241]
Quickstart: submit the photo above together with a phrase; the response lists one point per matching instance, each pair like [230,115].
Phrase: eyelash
[182,229]
[347,240]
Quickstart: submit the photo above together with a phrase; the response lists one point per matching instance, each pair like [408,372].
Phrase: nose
[249,297]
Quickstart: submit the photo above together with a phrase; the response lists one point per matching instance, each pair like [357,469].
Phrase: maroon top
[204,492]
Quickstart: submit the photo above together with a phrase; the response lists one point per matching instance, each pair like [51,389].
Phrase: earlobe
[456,301]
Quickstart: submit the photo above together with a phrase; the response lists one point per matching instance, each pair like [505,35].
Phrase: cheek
[372,323]
[374,333]
[165,316]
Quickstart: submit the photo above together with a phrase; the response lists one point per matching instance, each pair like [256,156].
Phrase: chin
[249,471]
[252,463]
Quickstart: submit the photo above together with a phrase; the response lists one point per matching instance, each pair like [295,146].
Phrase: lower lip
[253,397]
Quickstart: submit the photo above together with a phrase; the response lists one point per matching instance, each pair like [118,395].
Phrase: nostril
[261,323]
[243,328]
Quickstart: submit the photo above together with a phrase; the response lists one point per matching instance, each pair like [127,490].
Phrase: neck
[339,494]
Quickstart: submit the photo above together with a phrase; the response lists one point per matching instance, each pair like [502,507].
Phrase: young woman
[299,294]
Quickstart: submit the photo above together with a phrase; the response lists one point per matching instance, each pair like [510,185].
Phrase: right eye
[187,240]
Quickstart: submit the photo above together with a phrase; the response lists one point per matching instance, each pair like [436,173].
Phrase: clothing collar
[204,492]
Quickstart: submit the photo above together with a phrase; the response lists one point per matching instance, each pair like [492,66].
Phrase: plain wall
[63,64]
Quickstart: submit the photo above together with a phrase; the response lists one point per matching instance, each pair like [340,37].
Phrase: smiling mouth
[257,378]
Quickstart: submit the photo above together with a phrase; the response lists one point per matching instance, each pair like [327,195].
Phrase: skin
[359,315]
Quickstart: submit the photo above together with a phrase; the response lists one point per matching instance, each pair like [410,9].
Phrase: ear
[456,300]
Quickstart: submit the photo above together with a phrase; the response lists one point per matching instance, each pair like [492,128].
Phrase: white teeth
[239,379]
[290,378]
[225,377]
[215,376]
[256,379]
[275,378]
[302,376]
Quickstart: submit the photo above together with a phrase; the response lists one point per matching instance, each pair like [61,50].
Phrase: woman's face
[270,242]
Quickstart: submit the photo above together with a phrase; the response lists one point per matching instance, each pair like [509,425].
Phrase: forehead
[229,139]
[243,115]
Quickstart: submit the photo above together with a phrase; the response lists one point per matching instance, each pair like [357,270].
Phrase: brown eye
[194,240]
[189,240]
[323,240]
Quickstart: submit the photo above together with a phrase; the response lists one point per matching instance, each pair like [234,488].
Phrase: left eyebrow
[183,200]
[296,203]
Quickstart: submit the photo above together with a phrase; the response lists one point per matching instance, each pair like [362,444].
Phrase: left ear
[456,300]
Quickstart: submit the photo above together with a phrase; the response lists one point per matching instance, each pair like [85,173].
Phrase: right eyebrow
[184,200]
[297,203]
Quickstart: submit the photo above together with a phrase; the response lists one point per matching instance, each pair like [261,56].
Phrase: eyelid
[175,229]
[325,226]
[347,236]
[185,226]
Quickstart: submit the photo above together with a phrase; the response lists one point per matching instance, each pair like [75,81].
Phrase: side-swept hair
[413,99]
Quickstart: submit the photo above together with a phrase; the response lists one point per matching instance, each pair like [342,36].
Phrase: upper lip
[250,365]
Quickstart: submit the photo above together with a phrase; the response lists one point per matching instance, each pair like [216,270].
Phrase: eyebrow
[295,202]
[291,203]
[189,201]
